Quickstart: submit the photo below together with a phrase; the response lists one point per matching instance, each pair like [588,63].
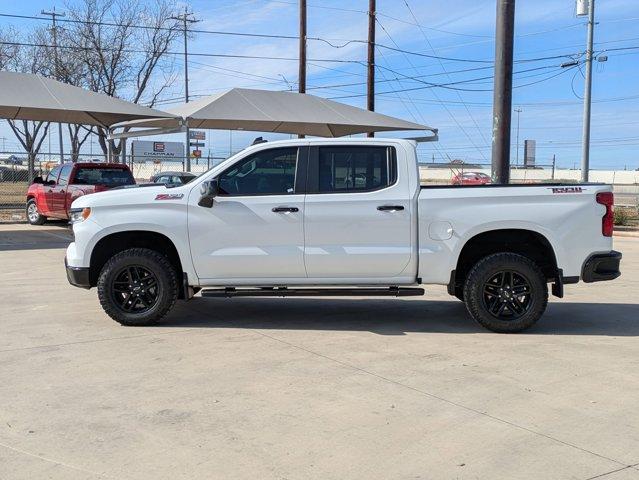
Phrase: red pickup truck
[52,195]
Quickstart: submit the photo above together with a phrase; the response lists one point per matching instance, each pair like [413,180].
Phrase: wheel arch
[116,242]
[529,243]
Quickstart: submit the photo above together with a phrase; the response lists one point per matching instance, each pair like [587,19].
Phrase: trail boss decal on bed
[567,190]
[169,196]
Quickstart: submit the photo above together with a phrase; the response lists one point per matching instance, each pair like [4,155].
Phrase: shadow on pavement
[54,235]
[392,316]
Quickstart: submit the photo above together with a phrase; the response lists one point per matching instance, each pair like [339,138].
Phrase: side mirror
[38,179]
[208,192]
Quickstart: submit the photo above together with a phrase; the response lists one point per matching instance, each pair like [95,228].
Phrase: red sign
[197,153]
[158,146]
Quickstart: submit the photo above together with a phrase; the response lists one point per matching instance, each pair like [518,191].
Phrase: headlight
[77,215]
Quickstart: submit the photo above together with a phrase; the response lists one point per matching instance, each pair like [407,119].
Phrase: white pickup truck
[339,217]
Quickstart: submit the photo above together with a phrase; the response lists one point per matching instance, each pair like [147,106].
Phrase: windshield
[108,177]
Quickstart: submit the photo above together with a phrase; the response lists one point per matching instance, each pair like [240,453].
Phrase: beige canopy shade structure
[26,96]
[272,111]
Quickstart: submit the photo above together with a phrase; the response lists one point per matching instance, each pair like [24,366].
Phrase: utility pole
[503,90]
[370,77]
[518,110]
[56,64]
[302,59]
[186,19]
[585,147]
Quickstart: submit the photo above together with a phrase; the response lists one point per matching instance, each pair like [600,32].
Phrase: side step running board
[313,292]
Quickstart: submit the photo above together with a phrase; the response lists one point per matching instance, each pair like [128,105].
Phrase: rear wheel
[137,287]
[506,292]
[33,216]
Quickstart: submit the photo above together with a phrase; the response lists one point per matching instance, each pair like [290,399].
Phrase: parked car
[13,160]
[52,195]
[172,178]
[336,217]
[471,178]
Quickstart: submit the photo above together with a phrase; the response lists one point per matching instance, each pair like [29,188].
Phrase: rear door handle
[285,209]
[390,208]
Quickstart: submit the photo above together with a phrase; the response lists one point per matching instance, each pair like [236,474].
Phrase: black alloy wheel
[507,295]
[135,289]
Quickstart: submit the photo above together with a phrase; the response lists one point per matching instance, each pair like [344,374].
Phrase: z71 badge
[169,196]
[567,190]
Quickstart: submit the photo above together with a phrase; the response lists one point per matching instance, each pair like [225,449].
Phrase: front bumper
[78,276]
[601,266]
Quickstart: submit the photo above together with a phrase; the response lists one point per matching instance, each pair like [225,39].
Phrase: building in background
[529,153]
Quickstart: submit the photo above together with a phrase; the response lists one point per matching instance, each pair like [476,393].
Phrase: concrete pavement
[311,388]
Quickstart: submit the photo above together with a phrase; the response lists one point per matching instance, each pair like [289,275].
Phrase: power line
[195,54]
[435,95]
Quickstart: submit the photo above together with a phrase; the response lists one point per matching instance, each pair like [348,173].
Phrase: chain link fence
[14,176]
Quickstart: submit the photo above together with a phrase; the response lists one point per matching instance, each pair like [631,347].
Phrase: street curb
[629,234]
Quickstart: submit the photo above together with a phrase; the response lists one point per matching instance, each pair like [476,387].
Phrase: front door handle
[285,209]
[390,208]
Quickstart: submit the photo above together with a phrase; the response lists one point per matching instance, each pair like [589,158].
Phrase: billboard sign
[197,135]
[148,151]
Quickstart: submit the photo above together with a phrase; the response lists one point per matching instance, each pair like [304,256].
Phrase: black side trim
[601,266]
[301,173]
[569,280]
[313,292]
[77,276]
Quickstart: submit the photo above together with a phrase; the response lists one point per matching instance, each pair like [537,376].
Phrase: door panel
[364,232]
[242,237]
[59,194]
[255,229]
[47,206]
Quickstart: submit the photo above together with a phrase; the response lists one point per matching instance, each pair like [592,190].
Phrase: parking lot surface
[311,388]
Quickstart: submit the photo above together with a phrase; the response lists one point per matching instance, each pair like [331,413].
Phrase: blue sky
[551,112]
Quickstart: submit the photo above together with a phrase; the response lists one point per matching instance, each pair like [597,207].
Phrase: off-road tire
[166,280]
[37,220]
[487,268]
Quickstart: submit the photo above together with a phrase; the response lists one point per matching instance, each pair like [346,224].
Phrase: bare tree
[29,134]
[8,52]
[67,66]
[123,47]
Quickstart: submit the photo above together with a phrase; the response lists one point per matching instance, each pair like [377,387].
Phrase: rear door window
[107,177]
[351,169]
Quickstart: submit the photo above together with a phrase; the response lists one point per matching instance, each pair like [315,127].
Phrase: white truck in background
[330,217]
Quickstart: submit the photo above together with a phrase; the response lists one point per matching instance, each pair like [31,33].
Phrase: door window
[349,169]
[268,172]
[64,175]
[53,174]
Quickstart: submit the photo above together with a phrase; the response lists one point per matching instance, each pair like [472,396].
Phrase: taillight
[607,199]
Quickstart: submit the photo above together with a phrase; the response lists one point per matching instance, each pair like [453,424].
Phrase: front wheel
[506,292]
[137,287]
[33,216]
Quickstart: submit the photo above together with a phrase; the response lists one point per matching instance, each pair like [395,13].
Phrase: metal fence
[14,176]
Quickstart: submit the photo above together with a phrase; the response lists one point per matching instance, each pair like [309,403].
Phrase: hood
[133,195]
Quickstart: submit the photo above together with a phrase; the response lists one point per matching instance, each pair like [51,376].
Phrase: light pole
[585,146]
[518,110]
[185,18]
[503,90]
[54,32]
